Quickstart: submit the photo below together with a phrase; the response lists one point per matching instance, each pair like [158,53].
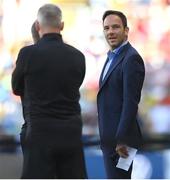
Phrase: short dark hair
[118,13]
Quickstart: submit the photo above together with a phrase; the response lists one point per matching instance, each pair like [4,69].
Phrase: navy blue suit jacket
[118,98]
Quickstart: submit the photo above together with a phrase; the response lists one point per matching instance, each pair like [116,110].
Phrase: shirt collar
[116,51]
[51,36]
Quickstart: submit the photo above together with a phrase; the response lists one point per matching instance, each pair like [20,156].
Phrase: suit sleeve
[133,77]
[18,75]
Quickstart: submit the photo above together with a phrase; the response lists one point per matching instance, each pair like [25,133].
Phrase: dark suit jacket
[118,98]
[48,76]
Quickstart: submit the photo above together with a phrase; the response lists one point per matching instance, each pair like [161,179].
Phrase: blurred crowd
[149,25]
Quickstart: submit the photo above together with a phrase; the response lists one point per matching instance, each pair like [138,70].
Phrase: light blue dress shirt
[111,57]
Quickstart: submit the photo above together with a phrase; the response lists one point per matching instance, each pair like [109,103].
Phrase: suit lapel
[101,75]
[118,59]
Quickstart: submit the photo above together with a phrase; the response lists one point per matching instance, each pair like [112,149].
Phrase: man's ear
[62,26]
[126,31]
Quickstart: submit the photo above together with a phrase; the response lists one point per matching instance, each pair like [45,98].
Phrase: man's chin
[113,46]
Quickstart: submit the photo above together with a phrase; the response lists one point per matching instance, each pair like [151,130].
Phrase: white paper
[124,163]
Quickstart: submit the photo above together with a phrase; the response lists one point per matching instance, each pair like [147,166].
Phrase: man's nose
[111,30]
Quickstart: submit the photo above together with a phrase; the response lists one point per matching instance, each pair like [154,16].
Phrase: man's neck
[115,50]
[47,31]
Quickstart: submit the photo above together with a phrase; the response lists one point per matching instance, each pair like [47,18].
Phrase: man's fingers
[123,154]
[122,151]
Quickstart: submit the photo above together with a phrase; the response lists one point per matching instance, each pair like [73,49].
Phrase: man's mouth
[112,39]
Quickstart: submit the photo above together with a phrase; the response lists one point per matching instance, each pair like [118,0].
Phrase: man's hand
[121,149]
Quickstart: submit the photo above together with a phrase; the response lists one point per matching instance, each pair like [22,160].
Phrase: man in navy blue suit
[119,94]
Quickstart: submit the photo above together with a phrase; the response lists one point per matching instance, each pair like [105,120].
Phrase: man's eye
[115,27]
[106,28]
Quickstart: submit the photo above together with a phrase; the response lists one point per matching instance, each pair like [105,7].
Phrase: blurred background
[149,23]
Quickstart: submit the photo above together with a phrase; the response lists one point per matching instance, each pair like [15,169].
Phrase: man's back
[54,72]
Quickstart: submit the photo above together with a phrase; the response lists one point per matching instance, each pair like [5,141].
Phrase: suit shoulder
[132,53]
[133,58]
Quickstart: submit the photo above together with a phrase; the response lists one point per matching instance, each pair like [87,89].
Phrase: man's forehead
[112,16]
[112,19]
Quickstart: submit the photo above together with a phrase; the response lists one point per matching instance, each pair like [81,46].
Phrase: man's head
[49,19]
[115,28]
